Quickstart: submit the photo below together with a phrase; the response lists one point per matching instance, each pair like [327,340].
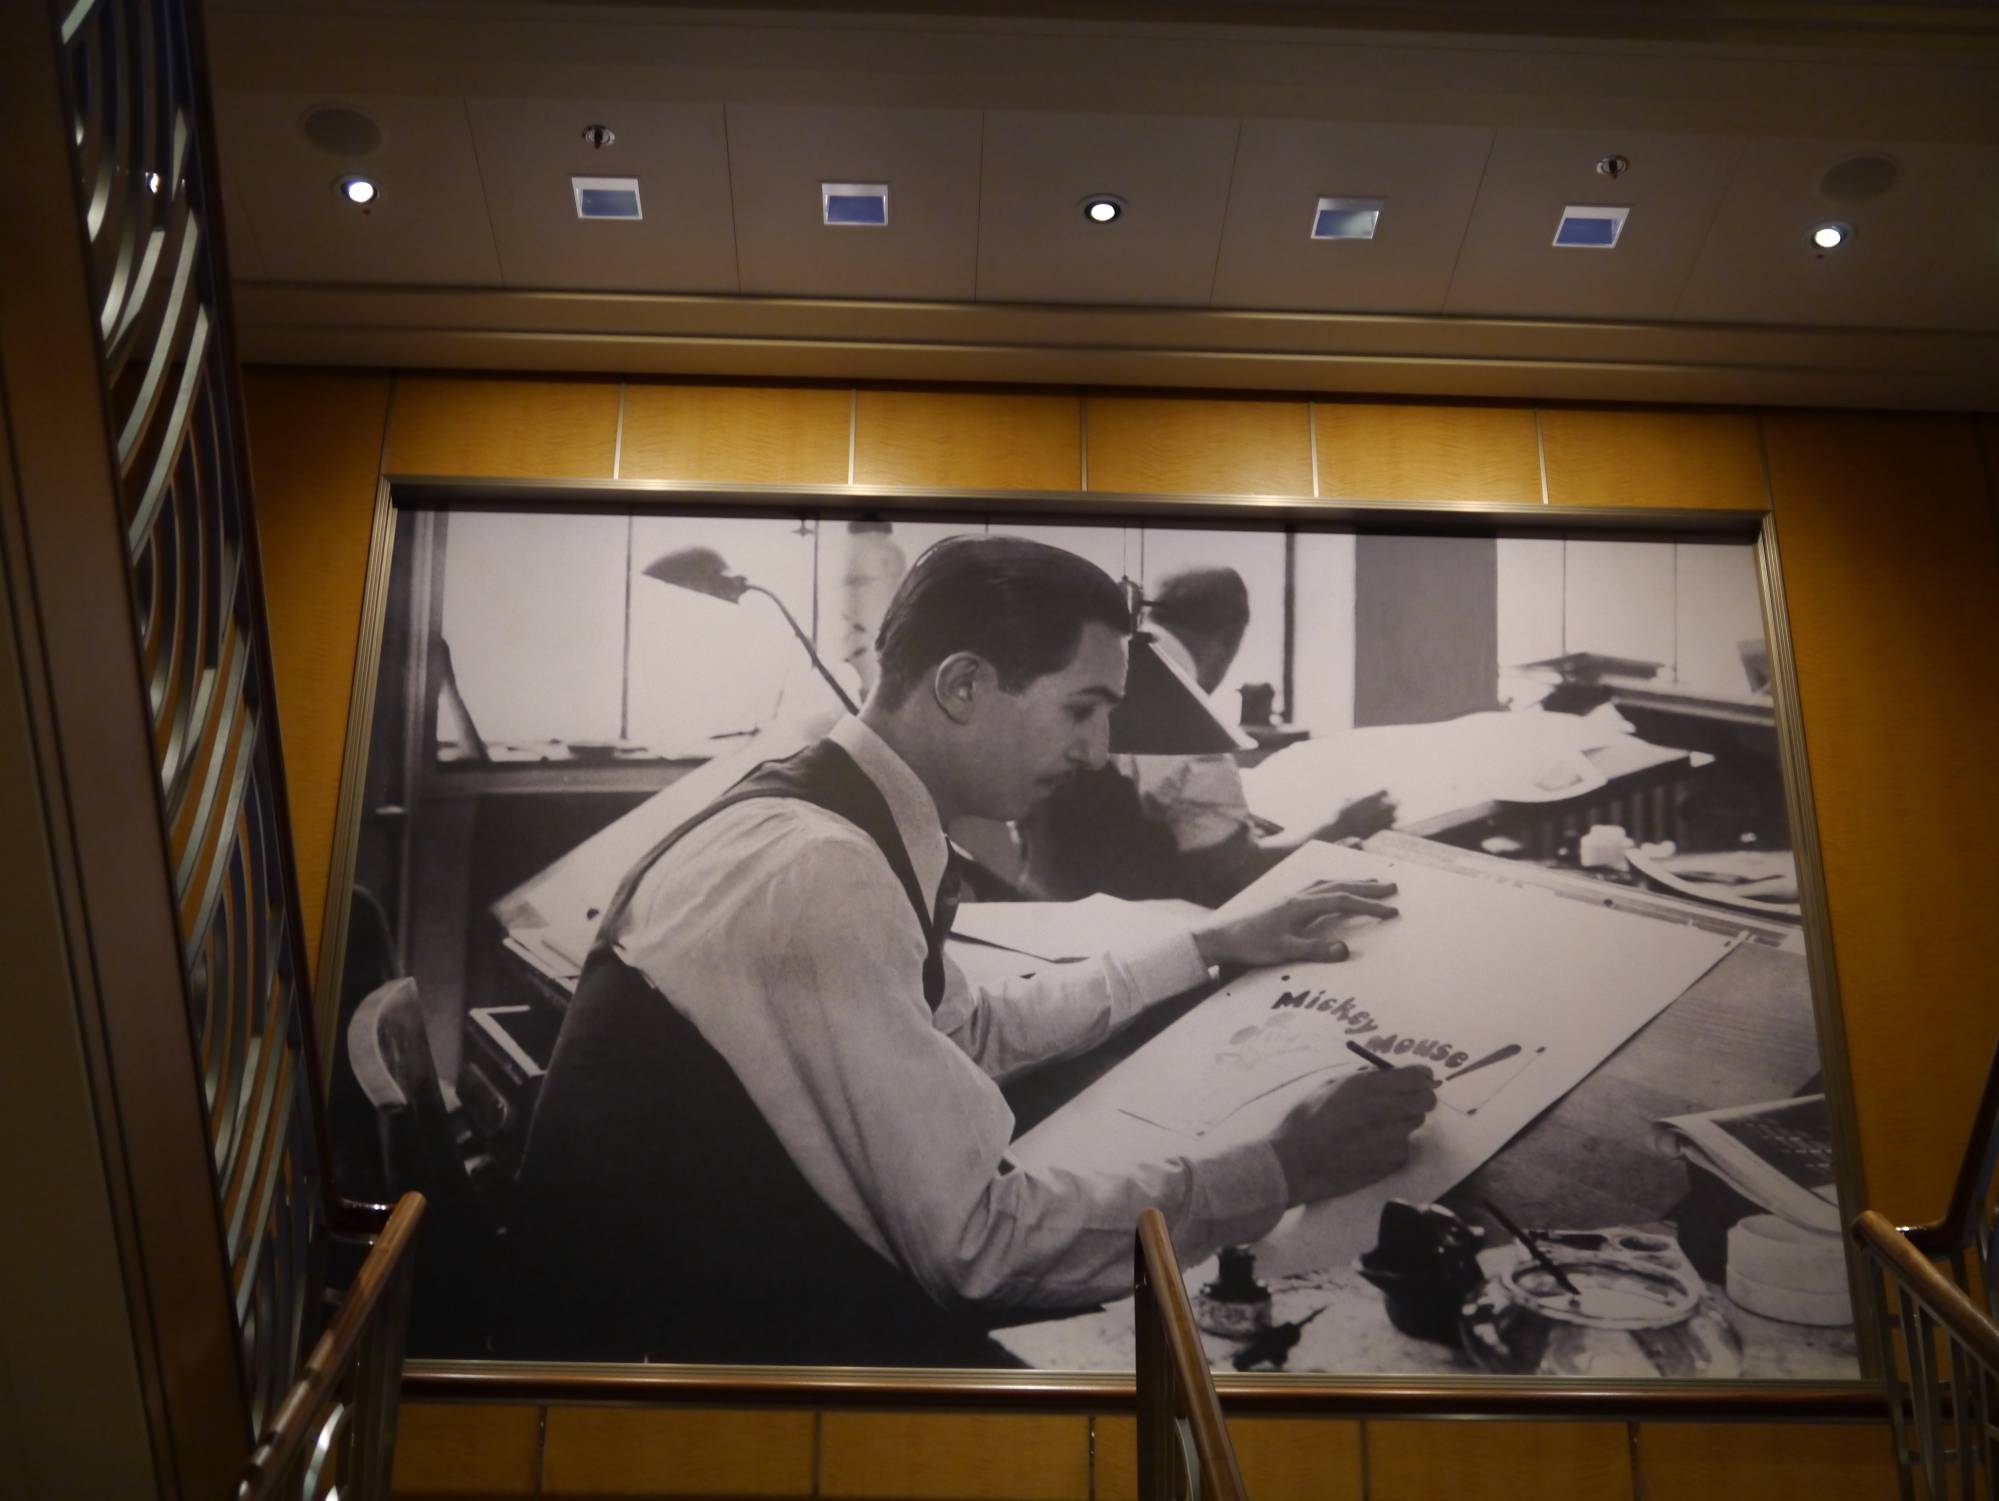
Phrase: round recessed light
[356,190]
[1103,208]
[1830,236]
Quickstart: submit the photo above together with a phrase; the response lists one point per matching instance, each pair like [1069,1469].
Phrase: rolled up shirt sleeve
[1065,1008]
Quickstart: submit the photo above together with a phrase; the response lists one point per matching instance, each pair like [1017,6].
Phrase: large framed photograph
[780,934]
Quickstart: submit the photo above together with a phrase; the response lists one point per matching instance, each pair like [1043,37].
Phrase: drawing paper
[1533,988]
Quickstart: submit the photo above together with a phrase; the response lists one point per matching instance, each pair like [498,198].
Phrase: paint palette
[1639,1309]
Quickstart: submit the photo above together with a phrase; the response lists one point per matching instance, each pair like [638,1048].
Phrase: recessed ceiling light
[854,203]
[1830,236]
[1102,208]
[357,190]
[152,182]
[1346,218]
[606,197]
[1587,226]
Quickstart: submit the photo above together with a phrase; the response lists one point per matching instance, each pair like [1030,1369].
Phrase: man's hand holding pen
[1352,1131]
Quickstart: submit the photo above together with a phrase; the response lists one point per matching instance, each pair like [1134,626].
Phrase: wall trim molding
[1333,353]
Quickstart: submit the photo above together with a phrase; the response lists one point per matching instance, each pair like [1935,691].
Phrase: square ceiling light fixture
[1590,227]
[1346,218]
[864,203]
[606,197]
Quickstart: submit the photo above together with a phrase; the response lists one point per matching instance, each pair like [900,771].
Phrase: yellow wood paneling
[1282,1459]
[954,1456]
[315,447]
[1175,445]
[500,427]
[446,1449]
[1891,566]
[1419,1461]
[1764,1462]
[968,440]
[611,1451]
[1680,459]
[1373,451]
[736,435]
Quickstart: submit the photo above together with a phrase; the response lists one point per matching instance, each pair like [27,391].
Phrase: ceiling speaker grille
[341,130]
[1858,179]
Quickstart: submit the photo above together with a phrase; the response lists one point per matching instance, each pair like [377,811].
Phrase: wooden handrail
[1177,1405]
[1939,1393]
[341,1410]
[1916,1277]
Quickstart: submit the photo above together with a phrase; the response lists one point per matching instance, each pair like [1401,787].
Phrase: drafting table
[1744,1031]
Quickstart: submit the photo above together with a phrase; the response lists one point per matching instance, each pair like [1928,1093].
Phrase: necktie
[948,890]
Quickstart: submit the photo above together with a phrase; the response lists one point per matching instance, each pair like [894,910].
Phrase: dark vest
[658,1216]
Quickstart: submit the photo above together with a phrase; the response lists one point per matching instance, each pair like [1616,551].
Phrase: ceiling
[1218,125]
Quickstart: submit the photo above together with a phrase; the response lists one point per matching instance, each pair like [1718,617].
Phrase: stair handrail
[337,1424]
[1180,1423]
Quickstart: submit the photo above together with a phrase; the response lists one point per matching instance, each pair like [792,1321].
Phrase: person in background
[1173,826]
[772,1129]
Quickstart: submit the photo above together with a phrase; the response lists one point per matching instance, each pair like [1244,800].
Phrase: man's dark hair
[1210,603]
[1021,605]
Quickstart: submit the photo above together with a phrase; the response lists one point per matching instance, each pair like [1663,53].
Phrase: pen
[1375,1058]
[1533,1248]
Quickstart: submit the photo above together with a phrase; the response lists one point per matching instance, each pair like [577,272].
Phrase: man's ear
[959,682]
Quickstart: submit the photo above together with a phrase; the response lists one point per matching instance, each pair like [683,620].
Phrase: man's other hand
[1360,818]
[1352,1131]
[1299,928]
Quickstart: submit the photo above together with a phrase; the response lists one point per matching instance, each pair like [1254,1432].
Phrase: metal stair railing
[1183,1440]
[1937,1335]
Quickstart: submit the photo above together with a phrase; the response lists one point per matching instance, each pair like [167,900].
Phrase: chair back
[389,1052]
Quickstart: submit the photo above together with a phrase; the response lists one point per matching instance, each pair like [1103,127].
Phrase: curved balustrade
[138,134]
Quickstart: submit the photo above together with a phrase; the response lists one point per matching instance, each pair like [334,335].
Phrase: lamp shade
[1164,713]
[700,569]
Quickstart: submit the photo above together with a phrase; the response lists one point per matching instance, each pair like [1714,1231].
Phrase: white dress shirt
[779,930]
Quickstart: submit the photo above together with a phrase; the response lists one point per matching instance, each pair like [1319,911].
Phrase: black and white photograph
[810,939]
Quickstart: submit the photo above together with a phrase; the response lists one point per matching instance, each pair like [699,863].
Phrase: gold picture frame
[1358,1395]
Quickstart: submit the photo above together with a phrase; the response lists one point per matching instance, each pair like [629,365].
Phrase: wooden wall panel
[736,435]
[1890,558]
[1888,536]
[1691,460]
[500,427]
[315,453]
[1418,1461]
[971,440]
[900,1456]
[1375,451]
[1172,445]
[676,1451]
[452,1449]
[1767,1462]
[1282,1459]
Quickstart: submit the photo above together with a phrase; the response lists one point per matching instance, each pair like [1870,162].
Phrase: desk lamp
[1164,711]
[702,570]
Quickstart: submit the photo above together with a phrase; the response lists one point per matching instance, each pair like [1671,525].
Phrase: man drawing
[771,1130]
